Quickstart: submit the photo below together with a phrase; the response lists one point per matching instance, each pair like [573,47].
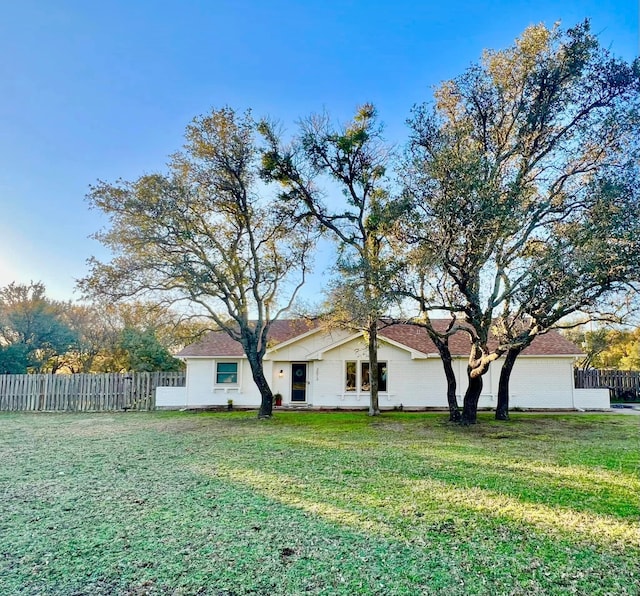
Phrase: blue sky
[104,90]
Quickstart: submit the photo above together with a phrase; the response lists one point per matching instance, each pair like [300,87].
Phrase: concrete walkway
[625,409]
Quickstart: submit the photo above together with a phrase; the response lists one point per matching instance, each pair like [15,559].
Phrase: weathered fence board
[84,392]
[622,384]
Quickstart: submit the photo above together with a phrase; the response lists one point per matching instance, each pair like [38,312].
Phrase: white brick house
[311,366]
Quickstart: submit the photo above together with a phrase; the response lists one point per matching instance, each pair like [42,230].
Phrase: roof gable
[318,354]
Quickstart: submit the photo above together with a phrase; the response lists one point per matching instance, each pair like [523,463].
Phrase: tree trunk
[502,407]
[454,409]
[480,358]
[257,371]
[445,357]
[442,344]
[374,406]
[471,397]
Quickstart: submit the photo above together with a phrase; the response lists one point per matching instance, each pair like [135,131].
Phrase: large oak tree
[507,173]
[206,232]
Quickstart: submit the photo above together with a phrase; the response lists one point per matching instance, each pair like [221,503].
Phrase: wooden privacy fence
[622,384]
[84,392]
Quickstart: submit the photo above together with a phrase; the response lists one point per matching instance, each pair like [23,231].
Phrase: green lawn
[318,503]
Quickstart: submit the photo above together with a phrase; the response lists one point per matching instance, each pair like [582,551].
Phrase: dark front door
[299,381]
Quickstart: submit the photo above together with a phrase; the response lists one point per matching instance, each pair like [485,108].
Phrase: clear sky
[104,90]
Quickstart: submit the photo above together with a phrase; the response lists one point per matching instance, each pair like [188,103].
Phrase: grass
[318,503]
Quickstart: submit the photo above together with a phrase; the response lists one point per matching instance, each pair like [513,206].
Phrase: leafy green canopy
[205,233]
[352,159]
[524,182]
[33,331]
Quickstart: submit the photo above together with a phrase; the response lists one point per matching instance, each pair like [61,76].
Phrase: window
[382,376]
[351,376]
[226,373]
[351,381]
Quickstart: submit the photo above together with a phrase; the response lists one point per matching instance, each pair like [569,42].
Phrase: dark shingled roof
[219,344]
[551,343]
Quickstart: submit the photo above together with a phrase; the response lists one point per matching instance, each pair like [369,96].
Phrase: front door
[298,381]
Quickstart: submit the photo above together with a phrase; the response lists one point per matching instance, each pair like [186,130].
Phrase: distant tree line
[605,348]
[513,207]
[41,335]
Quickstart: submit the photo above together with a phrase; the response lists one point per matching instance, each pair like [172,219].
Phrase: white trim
[415,354]
[358,390]
[419,355]
[307,380]
[227,386]
[572,356]
[344,378]
[318,354]
[573,386]
[243,357]
[554,356]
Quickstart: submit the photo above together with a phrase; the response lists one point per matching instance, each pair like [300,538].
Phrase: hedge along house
[313,367]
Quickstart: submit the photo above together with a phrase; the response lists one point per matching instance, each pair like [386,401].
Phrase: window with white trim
[226,373]
[351,381]
[353,374]
[382,376]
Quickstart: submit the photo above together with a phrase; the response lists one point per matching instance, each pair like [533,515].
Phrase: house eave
[211,357]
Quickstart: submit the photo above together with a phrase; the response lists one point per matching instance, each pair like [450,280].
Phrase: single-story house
[316,367]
